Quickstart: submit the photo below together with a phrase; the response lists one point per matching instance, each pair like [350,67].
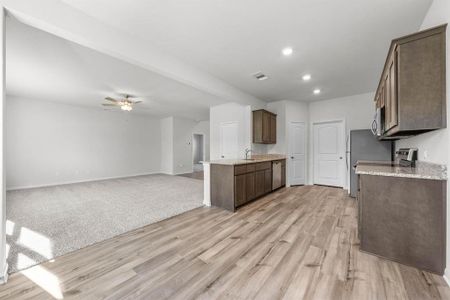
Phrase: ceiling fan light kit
[125,104]
[126,107]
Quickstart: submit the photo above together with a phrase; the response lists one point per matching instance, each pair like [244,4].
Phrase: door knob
[340,157]
[292,157]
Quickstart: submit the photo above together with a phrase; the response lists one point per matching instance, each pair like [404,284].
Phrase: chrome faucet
[247,151]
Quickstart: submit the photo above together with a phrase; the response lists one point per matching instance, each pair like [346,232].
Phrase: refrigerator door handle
[346,151]
[346,160]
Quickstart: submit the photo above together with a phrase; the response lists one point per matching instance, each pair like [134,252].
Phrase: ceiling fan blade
[136,102]
[111,99]
[126,96]
[107,104]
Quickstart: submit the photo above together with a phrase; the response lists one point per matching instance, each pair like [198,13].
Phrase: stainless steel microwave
[378,123]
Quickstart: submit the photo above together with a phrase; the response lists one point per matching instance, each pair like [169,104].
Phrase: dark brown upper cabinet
[411,93]
[264,127]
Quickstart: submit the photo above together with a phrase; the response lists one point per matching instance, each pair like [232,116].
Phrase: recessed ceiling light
[287,51]
[316,91]
[306,77]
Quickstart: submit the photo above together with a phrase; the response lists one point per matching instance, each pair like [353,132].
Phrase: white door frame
[344,130]
[305,150]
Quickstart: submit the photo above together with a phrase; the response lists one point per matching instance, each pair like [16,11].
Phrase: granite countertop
[422,170]
[254,159]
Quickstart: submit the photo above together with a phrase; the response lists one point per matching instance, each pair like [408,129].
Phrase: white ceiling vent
[260,76]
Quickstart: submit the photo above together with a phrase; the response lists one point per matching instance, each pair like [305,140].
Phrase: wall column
[3,263]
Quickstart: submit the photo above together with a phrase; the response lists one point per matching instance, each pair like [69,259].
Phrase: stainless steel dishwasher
[276,175]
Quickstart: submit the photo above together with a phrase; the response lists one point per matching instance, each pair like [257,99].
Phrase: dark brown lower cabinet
[233,186]
[267,181]
[404,219]
[240,195]
[250,186]
[260,183]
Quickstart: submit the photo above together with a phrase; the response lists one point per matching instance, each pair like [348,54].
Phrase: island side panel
[403,219]
[222,186]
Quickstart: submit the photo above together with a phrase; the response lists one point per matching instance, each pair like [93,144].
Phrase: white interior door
[229,140]
[297,149]
[329,151]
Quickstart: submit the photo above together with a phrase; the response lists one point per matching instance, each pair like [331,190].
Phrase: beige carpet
[44,223]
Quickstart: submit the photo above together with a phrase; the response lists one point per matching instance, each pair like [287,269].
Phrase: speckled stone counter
[254,159]
[422,170]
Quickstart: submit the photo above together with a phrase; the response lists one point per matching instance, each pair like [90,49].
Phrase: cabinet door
[259,183]
[257,126]
[267,181]
[391,119]
[249,186]
[239,190]
[273,129]
[359,201]
[382,96]
[387,99]
[393,90]
[266,127]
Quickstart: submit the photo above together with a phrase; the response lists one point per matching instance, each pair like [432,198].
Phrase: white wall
[279,108]
[357,111]
[288,111]
[230,112]
[182,145]
[202,127]
[50,143]
[167,145]
[176,143]
[436,144]
[3,254]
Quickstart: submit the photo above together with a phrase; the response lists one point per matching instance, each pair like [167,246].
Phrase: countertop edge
[412,176]
[423,170]
[238,162]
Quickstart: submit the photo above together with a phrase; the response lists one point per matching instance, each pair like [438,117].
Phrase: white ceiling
[45,67]
[342,44]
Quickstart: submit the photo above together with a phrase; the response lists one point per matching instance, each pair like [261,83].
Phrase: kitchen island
[236,182]
[402,213]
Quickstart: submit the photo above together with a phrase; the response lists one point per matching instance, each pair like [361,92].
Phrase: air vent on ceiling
[260,76]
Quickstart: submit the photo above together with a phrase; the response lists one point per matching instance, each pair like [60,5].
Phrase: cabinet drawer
[242,169]
[263,166]
[282,161]
[250,168]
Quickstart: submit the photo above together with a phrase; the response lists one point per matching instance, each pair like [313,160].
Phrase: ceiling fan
[124,103]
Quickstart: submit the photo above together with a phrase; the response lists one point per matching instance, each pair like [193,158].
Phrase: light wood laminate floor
[297,243]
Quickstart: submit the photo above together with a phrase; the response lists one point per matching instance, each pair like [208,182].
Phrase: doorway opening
[198,152]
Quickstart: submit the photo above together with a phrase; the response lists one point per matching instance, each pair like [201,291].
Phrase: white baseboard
[14,188]
[4,275]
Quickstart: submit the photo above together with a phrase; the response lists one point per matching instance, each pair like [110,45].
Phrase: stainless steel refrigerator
[365,146]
